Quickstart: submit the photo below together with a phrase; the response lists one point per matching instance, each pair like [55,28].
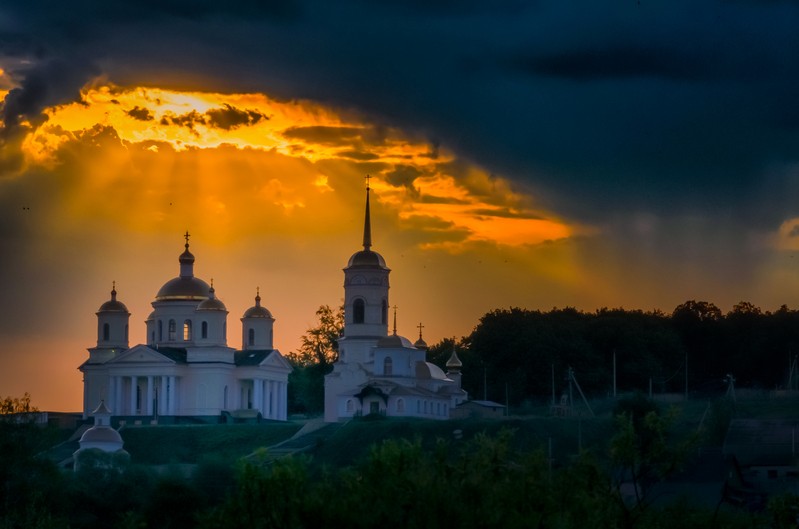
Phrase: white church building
[186,370]
[377,372]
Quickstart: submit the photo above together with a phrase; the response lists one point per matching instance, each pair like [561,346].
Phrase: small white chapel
[186,370]
[377,372]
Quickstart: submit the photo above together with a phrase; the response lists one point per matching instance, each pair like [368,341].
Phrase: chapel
[377,372]
[186,372]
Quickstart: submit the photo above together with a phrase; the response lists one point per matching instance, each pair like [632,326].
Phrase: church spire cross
[367,223]
[186,236]
[420,327]
[113,290]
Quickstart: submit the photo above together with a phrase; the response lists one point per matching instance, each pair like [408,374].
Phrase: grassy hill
[159,445]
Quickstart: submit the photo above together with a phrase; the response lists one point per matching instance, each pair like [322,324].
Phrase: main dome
[183,288]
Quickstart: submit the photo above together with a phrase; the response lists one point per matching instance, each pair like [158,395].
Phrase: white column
[150,395]
[268,396]
[173,396]
[284,398]
[258,394]
[162,395]
[118,395]
[133,395]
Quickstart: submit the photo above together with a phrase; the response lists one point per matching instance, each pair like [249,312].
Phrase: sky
[532,154]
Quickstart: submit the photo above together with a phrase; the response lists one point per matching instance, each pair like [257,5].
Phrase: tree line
[512,352]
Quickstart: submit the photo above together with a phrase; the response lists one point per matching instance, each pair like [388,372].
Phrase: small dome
[454,361]
[394,341]
[367,258]
[212,303]
[186,257]
[428,370]
[184,288]
[113,305]
[258,311]
[420,344]
[101,434]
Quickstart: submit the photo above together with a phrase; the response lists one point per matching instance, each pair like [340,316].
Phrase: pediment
[141,354]
[275,359]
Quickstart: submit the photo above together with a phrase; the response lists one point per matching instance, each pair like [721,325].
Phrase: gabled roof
[261,357]
[145,354]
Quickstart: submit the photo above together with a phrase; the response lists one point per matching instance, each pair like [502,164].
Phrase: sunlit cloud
[249,147]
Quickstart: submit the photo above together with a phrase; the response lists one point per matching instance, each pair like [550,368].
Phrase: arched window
[359,310]
[349,406]
[204,329]
[152,336]
[187,330]
[384,312]
[388,366]
[126,332]
[172,330]
[160,330]
[106,332]
[400,406]
[251,337]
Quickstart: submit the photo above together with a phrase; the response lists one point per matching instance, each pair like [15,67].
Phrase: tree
[313,360]
[320,343]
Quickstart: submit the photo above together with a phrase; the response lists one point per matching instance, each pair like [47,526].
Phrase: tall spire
[367,224]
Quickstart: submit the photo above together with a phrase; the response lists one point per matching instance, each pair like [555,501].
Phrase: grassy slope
[158,445]
[192,444]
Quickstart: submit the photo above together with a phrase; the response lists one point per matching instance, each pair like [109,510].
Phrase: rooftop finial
[395,319]
[113,290]
[257,296]
[420,327]
[187,239]
[367,224]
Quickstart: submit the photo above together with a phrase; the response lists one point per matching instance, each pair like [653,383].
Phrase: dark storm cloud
[506,213]
[358,155]
[619,63]
[403,175]
[230,117]
[142,114]
[664,107]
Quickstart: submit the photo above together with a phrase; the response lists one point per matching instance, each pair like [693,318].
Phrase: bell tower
[366,289]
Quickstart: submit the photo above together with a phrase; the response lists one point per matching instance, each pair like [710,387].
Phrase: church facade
[377,372]
[186,368]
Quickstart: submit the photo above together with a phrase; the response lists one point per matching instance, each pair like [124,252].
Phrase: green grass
[353,441]
[159,445]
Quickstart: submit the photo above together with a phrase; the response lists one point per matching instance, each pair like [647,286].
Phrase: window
[160,330]
[400,406]
[106,332]
[388,367]
[359,310]
[374,407]
[384,312]
[126,332]
[349,406]
[187,330]
[204,330]
[152,336]
[251,337]
[172,331]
